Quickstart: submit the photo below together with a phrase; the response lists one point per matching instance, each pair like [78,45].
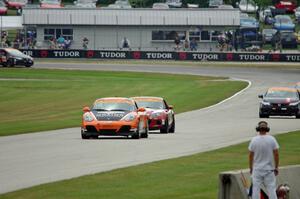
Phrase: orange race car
[114,116]
[161,115]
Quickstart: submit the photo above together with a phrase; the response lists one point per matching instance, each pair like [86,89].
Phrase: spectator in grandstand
[193,45]
[85,43]
[125,43]
[177,42]
[186,44]
[67,43]
[52,42]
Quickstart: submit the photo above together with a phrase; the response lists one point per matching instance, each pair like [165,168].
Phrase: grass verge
[188,177]
[37,99]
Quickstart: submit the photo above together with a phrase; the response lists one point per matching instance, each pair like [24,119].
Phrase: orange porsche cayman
[115,116]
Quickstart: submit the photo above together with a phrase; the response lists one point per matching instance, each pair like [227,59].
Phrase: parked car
[283,22]
[192,5]
[12,57]
[249,22]
[297,14]
[268,34]
[225,6]
[215,3]
[280,101]
[288,6]
[114,116]
[3,8]
[266,16]
[288,39]
[248,6]
[160,6]
[85,3]
[51,4]
[161,115]
[174,3]
[16,4]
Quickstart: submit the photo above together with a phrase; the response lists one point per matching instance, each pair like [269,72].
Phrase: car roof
[287,89]
[115,99]
[148,98]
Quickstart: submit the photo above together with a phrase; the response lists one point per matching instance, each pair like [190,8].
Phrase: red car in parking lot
[161,115]
[16,4]
[289,6]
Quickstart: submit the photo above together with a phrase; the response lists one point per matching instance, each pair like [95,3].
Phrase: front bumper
[279,110]
[156,124]
[116,128]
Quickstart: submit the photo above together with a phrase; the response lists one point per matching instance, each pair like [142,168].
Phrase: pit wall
[165,55]
[231,185]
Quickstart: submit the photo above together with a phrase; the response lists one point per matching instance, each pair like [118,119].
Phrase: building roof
[10,22]
[146,17]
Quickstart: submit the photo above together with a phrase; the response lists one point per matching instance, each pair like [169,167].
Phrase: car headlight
[129,117]
[88,117]
[265,103]
[294,103]
[155,114]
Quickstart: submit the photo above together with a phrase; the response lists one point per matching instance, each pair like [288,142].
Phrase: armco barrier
[232,187]
[164,55]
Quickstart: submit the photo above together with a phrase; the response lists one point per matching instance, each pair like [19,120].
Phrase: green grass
[36,100]
[188,177]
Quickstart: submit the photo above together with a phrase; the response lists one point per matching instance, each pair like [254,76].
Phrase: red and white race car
[161,115]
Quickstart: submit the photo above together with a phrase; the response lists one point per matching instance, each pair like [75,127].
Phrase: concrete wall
[231,186]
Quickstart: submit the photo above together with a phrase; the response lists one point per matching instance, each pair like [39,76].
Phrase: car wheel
[172,129]
[263,116]
[28,65]
[83,136]
[10,62]
[137,134]
[298,115]
[165,128]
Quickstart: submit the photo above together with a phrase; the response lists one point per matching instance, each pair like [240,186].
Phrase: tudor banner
[164,55]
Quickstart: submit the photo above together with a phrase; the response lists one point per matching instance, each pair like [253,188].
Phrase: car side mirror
[142,109]
[86,109]
[170,107]
[260,96]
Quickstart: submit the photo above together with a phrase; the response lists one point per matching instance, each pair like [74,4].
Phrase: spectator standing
[125,43]
[61,42]
[177,42]
[67,43]
[193,45]
[85,43]
[186,44]
[263,161]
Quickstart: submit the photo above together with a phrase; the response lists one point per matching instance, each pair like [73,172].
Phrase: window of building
[57,32]
[167,35]
[201,35]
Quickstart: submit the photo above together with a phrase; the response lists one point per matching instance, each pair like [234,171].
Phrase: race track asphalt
[32,159]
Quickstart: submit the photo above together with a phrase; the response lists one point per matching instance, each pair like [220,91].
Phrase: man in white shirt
[263,161]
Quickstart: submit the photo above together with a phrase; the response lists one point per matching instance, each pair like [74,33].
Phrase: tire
[28,65]
[137,134]
[83,136]
[172,129]
[10,62]
[165,128]
[297,115]
[145,135]
[263,116]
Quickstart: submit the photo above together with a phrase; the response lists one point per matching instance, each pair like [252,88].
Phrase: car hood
[280,100]
[109,115]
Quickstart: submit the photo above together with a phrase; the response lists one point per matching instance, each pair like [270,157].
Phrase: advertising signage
[164,55]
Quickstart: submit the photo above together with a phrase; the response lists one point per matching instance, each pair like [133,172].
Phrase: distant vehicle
[297,14]
[12,57]
[288,6]
[283,22]
[247,6]
[85,3]
[160,6]
[3,8]
[268,34]
[280,101]
[161,115]
[215,3]
[266,16]
[174,3]
[120,4]
[244,15]
[225,6]
[249,22]
[288,39]
[191,5]
[16,4]
[249,37]
[114,116]
[51,4]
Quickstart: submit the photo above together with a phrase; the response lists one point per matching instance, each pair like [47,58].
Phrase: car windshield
[281,94]
[15,52]
[269,31]
[113,106]
[151,104]
[51,1]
